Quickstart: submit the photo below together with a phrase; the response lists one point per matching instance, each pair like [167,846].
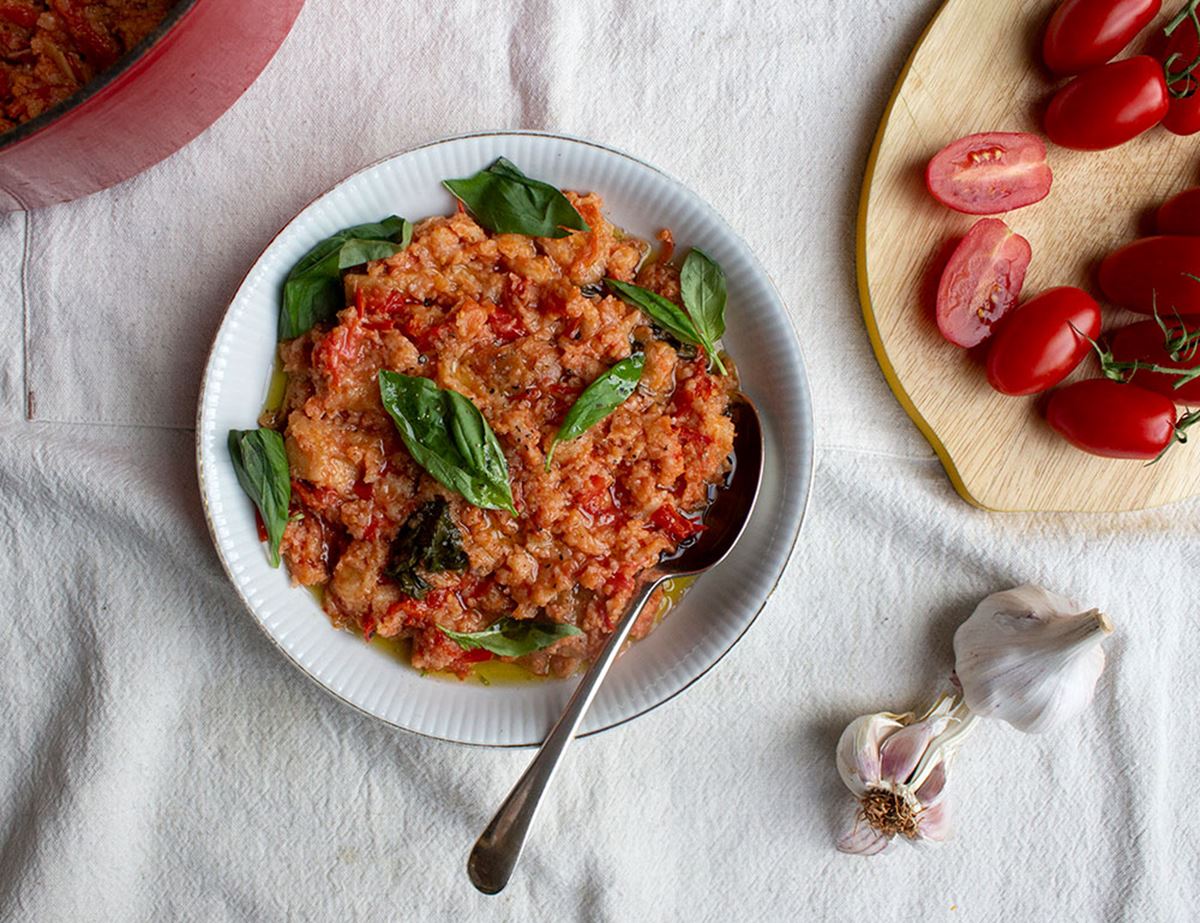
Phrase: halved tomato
[1154,272]
[1083,34]
[1181,214]
[982,282]
[990,173]
[1146,342]
[1040,343]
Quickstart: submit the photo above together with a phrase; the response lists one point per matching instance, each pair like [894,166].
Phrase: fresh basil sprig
[447,436]
[702,284]
[506,201]
[428,541]
[666,314]
[701,321]
[599,399]
[511,637]
[262,469]
[313,291]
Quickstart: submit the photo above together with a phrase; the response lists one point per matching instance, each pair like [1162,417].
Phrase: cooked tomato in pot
[1042,342]
[982,282]
[49,49]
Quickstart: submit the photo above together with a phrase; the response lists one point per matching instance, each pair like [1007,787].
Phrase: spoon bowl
[499,847]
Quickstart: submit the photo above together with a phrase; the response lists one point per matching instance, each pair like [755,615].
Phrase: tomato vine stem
[1189,14]
[1124,371]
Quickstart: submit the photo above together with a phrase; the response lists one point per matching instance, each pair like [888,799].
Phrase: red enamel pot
[179,81]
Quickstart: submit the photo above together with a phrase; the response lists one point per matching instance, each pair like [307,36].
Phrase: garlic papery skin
[896,766]
[1030,657]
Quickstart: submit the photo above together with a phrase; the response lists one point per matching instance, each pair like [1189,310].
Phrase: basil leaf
[599,399]
[261,464]
[666,314]
[511,637]
[506,201]
[702,284]
[429,541]
[313,292]
[447,436]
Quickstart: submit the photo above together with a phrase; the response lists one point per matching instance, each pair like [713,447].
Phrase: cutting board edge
[864,282]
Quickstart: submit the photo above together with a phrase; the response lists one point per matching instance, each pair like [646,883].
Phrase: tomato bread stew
[494,424]
[52,48]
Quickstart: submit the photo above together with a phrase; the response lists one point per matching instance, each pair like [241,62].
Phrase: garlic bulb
[1029,657]
[896,766]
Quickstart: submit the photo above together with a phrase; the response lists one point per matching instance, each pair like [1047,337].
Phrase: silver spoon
[498,848]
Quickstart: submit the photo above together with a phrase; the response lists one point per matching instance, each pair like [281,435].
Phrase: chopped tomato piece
[506,326]
[677,527]
[100,49]
[19,14]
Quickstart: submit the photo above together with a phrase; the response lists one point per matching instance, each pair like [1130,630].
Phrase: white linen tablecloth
[162,761]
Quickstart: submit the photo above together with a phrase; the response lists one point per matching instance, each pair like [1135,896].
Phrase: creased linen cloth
[161,761]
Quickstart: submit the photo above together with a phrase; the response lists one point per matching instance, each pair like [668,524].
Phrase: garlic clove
[1030,657]
[934,823]
[858,758]
[862,840]
[933,788]
[903,750]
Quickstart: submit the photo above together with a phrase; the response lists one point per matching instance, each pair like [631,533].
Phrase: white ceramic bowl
[712,616]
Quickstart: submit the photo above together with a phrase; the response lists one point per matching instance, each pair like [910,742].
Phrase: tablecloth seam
[26,376]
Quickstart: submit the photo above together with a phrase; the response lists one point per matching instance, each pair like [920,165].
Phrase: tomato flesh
[982,282]
[1038,346]
[1083,34]
[990,173]
[1109,105]
[1145,341]
[1181,214]
[1154,272]
[1111,419]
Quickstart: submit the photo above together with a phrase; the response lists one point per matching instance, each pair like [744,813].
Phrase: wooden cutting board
[976,69]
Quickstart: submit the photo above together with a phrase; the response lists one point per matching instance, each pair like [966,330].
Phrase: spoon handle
[498,848]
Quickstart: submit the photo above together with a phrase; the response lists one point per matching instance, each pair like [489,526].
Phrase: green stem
[1188,14]
[1113,369]
[1182,425]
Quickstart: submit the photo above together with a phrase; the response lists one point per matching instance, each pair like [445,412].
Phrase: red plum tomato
[1146,342]
[1154,272]
[1111,419]
[1109,105]
[1181,215]
[1083,34]
[1037,346]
